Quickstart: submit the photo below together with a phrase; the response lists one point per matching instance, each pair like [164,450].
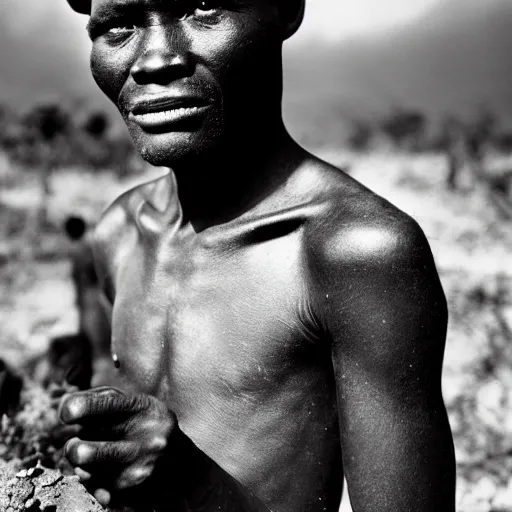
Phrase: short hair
[81,6]
[75,227]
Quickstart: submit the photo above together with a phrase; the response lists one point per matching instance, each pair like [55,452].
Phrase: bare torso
[221,326]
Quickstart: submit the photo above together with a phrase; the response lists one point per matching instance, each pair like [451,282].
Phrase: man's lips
[156,112]
[161,104]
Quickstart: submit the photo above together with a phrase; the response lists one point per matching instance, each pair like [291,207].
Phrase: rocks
[34,474]
[28,433]
[502,501]
[486,494]
[42,490]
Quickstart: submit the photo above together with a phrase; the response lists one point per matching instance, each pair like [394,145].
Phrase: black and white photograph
[255,255]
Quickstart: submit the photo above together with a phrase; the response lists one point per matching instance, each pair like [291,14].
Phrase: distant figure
[10,389]
[465,147]
[83,272]
[476,145]
[453,145]
[80,359]
[94,323]
[70,361]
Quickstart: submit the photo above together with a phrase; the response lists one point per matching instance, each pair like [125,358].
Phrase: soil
[34,474]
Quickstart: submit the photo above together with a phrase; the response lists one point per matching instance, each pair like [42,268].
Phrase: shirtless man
[271,315]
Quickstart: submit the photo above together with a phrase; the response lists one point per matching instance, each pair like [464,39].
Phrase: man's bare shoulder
[120,217]
[118,226]
[368,259]
[358,228]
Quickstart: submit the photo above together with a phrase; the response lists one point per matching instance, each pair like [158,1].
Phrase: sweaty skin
[270,315]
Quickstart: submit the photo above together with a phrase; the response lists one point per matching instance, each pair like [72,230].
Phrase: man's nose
[164,57]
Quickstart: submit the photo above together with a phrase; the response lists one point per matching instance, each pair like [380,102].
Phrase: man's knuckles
[113,401]
[102,496]
[84,476]
[156,444]
[108,390]
[79,453]
[72,408]
[147,424]
[90,404]
[88,454]
[104,401]
[133,476]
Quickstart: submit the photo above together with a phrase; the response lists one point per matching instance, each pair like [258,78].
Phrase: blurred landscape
[457,182]
[421,115]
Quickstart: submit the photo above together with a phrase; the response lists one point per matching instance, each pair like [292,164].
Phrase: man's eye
[207,5]
[200,8]
[118,31]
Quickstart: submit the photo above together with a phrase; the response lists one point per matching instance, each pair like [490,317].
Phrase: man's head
[75,227]
[191,76]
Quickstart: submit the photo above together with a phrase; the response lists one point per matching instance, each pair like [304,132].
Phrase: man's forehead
[86,6]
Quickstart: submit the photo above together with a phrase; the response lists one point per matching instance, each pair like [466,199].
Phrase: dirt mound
[40,489]
[34,474]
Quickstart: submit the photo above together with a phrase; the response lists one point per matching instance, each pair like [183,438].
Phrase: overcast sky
[326,18]
[431,53]
[44,40]
[44,48]
[335,19]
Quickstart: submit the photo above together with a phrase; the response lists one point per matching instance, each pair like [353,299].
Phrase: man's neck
[227,185]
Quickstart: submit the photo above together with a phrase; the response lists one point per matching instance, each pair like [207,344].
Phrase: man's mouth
[158,112]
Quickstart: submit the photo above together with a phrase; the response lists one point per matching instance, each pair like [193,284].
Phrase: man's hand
[124,440]
[122,437]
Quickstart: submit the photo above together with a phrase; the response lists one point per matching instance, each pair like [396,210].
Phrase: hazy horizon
[437,55]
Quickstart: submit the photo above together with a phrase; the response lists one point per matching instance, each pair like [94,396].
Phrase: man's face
[188,75]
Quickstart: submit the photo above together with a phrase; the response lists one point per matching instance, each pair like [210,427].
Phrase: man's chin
[168,149]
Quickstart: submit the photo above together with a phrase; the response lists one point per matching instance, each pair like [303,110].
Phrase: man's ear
[292,14]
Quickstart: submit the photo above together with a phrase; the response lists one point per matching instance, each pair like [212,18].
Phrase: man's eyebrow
[112,10]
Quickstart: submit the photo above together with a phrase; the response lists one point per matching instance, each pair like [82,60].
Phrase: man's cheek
[225,46]
[109,73]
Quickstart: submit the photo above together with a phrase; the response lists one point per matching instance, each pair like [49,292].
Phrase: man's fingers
[133,475]
[104,403]
[102,497]
[91,456]
[115,465]
[84,476]
[76,406]
[60,434]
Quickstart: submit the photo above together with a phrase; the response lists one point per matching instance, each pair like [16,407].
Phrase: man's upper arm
[385,311]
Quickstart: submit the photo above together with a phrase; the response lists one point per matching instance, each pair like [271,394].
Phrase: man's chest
[191,324]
